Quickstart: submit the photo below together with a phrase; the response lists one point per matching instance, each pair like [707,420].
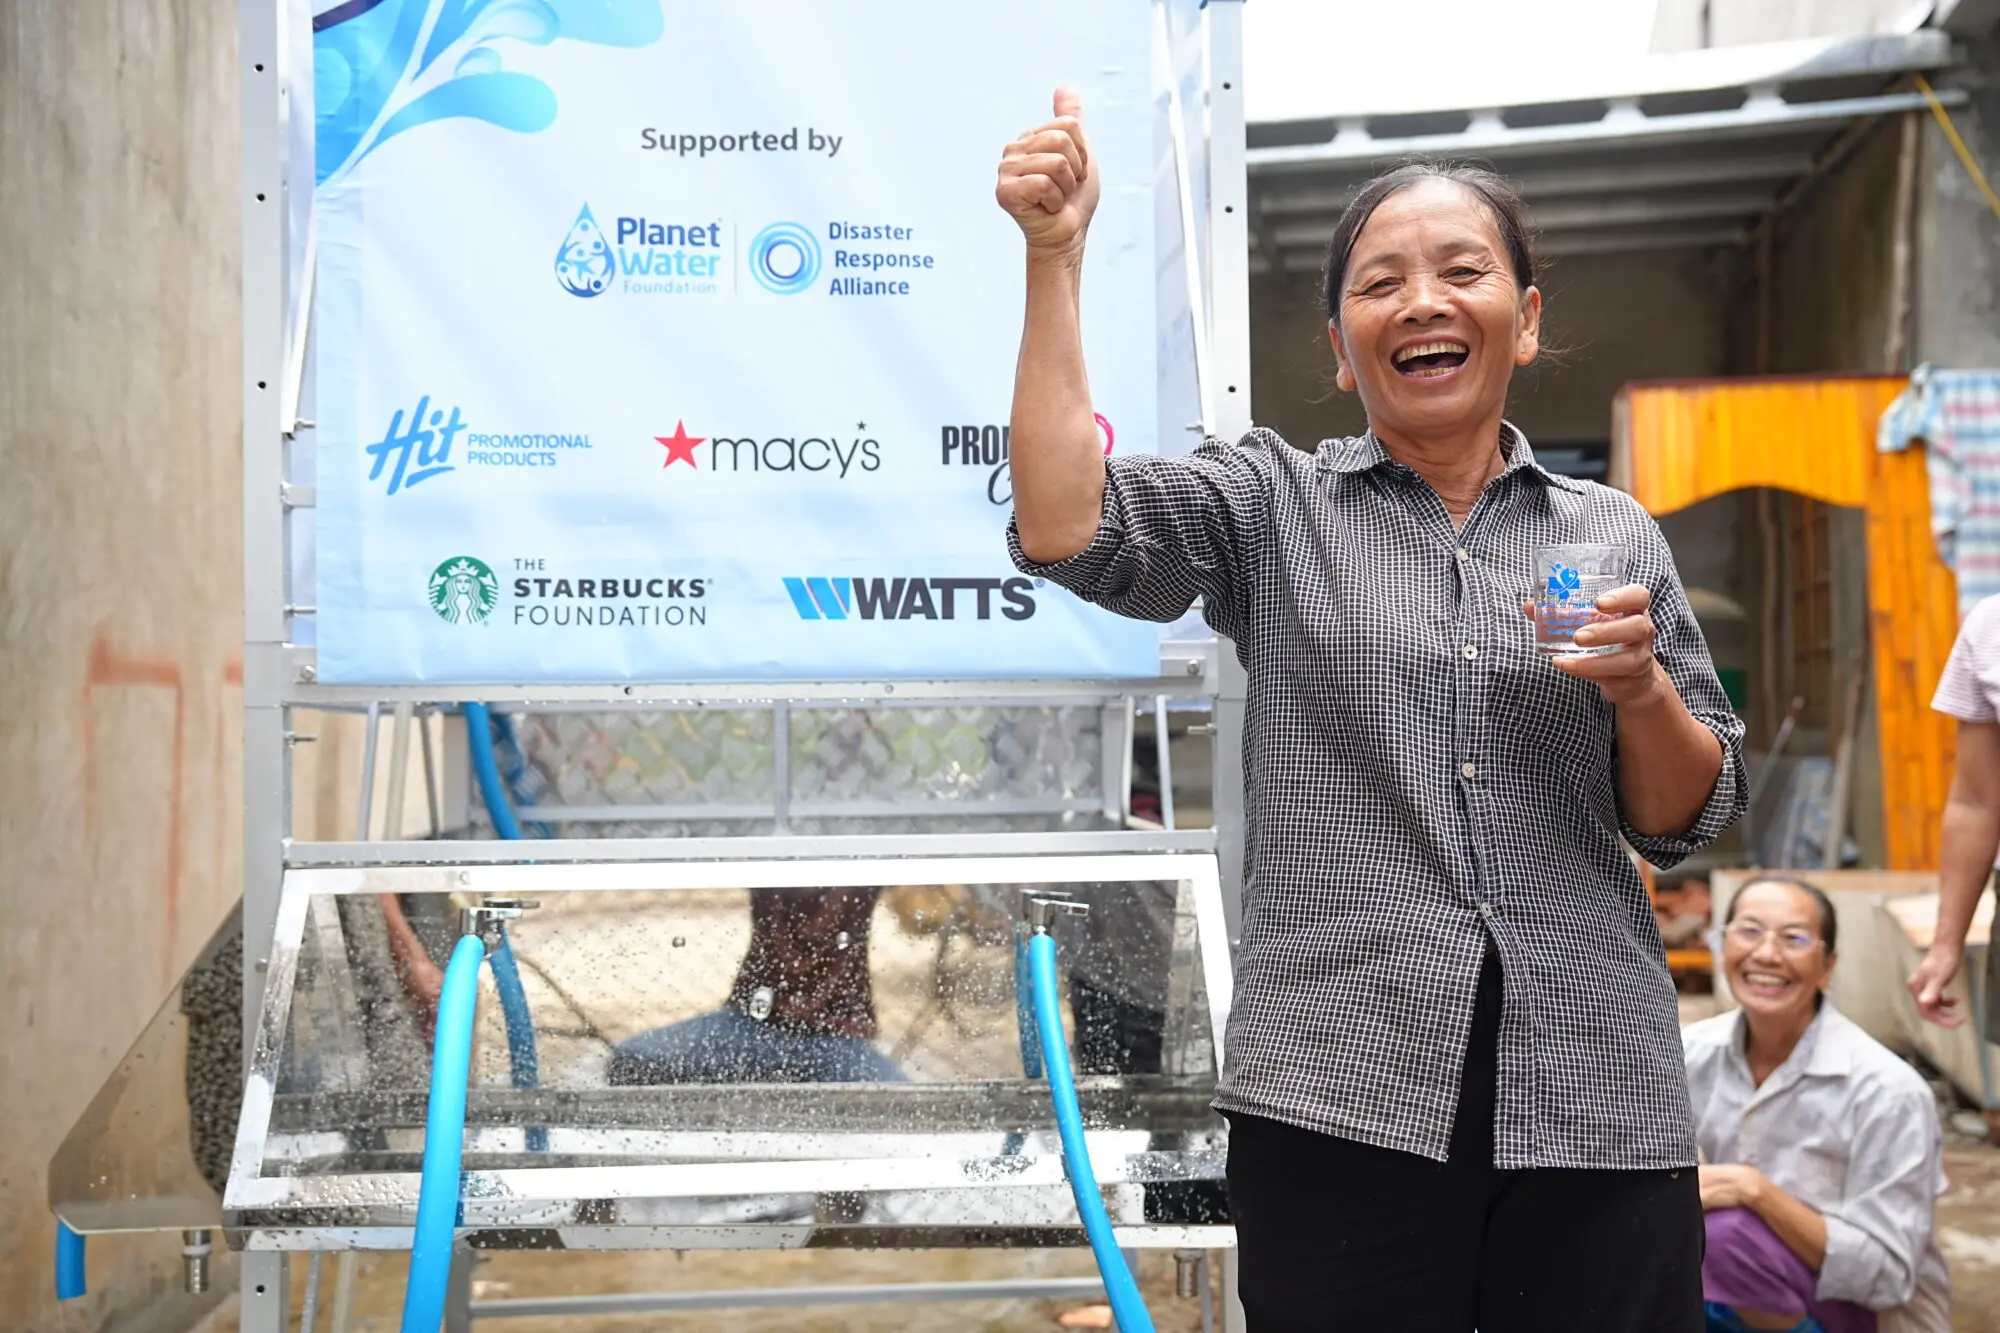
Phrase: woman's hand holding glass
[1623,667]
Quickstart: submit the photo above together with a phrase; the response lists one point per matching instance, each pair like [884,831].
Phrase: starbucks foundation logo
[463,591]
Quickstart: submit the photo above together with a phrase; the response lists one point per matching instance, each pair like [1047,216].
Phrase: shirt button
[1468,770]
[1486,910]
[1471,651]
[1464,554]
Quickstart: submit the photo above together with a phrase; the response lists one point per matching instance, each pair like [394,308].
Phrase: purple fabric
[1748,1268]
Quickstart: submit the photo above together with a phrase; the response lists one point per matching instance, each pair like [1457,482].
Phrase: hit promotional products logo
[426,436]
[910,598]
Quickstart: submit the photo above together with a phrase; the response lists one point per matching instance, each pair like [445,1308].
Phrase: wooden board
[1680,443]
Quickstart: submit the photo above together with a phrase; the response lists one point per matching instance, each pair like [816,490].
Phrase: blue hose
[521,1054]
[1126,1306]
[444,1140]
[69,1263]
[523,1061]
[1024,1008]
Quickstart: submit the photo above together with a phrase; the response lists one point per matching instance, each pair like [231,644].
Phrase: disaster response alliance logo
[463,591]
[784,258]
[646,254]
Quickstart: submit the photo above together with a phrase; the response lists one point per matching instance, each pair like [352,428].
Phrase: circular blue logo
[784,258]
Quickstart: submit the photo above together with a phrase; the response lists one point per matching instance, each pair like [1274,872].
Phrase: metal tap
[1041,908]
[195,1249]
[1187,1273]
[488,920]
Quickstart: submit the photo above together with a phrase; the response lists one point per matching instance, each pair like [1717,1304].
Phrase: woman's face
[1431,323]
[1773,952]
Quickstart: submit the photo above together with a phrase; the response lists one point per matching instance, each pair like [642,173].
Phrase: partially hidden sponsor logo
[989,447]
[419,444]
[912,597]
[836,455]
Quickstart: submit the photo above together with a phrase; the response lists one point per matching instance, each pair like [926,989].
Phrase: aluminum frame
[537,1197]
[279,676]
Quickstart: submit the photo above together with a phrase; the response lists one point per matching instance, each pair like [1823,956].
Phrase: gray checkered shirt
[1419,781]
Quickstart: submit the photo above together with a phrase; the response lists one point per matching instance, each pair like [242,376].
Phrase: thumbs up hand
[1047,181]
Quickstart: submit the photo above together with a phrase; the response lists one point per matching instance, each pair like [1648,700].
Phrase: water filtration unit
[758,973]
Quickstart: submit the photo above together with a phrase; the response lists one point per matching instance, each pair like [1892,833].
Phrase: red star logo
[680,446]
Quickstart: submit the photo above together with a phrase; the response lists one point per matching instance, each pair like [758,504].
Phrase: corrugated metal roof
[1673,151]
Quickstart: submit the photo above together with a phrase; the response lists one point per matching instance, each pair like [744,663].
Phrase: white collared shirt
[1847,1128]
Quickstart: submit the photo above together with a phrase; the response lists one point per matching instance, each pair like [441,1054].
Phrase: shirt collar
[1825,1049]
[1361,453]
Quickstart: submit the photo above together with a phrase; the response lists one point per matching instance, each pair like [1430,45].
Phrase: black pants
[1340,1237]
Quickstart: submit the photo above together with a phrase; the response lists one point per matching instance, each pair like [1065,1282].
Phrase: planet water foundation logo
[671,254]
[463,591]
[585,264]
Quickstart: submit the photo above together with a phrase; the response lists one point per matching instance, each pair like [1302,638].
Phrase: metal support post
[1163,752]
[261,50]
[458,1290]
[1229,333]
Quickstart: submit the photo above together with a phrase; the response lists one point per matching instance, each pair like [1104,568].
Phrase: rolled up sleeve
[1876,1237]
[1172,530]
[1681,650]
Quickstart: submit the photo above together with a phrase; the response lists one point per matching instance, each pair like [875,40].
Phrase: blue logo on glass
[1562,582]
[585,264]
[784,258]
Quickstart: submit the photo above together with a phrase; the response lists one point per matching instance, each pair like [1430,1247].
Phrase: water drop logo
[585,264]
[463,591]
[1562,582]
[784,258]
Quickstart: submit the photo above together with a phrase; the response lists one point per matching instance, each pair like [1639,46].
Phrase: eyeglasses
[1793,940]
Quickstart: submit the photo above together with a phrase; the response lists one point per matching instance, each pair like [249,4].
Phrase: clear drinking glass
[1568,582]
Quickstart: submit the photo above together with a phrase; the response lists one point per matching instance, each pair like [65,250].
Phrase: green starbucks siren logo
[463,591]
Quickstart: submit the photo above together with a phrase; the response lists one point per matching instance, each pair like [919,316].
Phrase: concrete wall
[120,582]
[1620,317]
[1957,287]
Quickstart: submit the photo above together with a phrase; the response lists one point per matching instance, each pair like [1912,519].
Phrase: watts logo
[463,591]
[910,598]
[643,256]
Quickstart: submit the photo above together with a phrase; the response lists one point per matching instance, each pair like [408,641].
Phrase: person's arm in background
[1969,834]
[1048,186]
[1968,839]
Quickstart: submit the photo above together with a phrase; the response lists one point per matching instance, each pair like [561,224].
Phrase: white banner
[676,342]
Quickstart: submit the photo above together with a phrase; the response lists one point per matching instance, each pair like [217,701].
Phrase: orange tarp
[1683,442]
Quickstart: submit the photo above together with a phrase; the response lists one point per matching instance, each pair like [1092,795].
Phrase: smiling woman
[1453,1074]
[1819,1207]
